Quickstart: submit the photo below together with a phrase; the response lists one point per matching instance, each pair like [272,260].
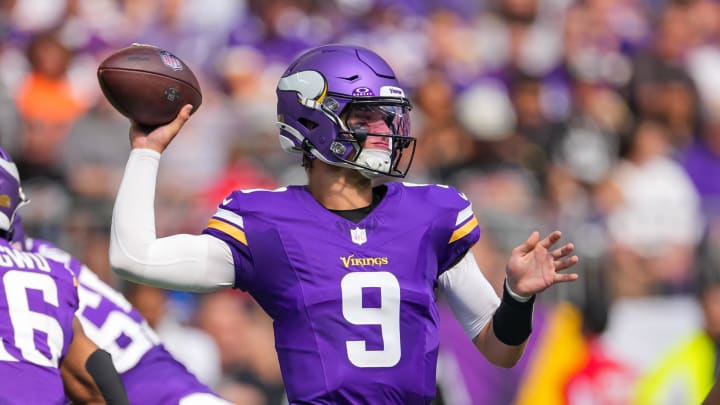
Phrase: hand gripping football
[148,84]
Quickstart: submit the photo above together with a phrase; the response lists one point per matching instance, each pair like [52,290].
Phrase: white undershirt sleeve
[179,262]
[469,295]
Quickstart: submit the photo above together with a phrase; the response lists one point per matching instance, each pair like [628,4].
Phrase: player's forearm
[474,303]
[497,352]
[99,365]
[133,219]
[179,262]
[88,373]
[469,295]
[503,340]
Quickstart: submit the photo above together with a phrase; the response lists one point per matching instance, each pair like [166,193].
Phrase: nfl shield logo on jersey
[358,236]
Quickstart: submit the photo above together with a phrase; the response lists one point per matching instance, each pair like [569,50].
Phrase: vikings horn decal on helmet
[11,194]
[343,105]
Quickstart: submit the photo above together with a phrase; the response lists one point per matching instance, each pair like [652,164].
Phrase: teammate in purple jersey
[346,269]
[152,376]
[43,350]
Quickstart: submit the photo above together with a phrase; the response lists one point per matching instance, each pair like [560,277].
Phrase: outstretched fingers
[562,258]
[564,278]
[563,251]
[529,244]
[551,239]
[566,262]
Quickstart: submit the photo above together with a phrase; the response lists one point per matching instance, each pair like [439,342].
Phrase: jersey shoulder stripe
[449,203]
[464,229]
[464,215]
[231,217]
[229,223]
[228,229]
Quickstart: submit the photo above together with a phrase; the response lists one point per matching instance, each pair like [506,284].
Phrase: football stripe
[464,215]
[231,217]
[464,230]
[228,229]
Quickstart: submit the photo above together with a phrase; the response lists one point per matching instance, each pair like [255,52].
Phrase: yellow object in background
[561,352]
[683,376]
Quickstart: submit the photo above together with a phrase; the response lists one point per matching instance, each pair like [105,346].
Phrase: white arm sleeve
[469,294]
[179,262]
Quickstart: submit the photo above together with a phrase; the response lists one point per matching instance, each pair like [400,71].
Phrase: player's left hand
[533,267]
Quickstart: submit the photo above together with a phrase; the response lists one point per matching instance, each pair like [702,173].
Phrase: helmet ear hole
[307,123]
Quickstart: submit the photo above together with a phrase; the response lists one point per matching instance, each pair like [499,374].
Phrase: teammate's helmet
[11,195]
[18,232]
[327,85]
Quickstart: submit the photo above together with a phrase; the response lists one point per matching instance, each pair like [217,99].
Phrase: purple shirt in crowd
[38,299]
[703,167]
[353,304]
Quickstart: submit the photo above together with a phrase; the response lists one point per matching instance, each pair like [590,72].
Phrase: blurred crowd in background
[600,118]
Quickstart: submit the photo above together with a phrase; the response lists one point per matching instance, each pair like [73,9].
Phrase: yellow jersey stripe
[464,230]
[224,227]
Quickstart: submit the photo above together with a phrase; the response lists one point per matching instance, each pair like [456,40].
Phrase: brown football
[148,84]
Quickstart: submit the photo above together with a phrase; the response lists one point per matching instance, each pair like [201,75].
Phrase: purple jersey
[353,304]
[150,374]
[38,299]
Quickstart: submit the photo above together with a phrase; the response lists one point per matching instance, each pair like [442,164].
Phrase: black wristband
[99,365]
[512,321]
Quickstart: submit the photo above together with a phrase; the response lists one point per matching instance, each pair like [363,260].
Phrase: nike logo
[226,201]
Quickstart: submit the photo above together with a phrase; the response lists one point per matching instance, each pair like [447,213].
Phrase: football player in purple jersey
[152,376]
[44,353]
[346,268]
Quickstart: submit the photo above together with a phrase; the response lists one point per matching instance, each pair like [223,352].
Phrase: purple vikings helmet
[18,234]
[11,195]
[325,86]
